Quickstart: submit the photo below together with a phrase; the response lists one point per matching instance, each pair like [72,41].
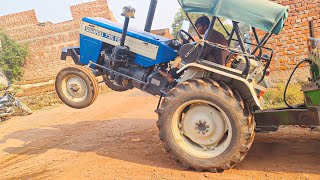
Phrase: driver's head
[202,24]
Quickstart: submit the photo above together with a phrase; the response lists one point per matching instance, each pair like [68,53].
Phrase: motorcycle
[9,104]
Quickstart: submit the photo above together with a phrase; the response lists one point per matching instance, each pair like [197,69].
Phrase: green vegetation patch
[274,96]
[12,57]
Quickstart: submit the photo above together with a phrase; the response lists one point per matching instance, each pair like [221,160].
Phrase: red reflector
[268,72]
[261,93]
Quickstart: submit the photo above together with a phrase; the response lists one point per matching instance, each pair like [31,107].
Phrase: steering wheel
[181,34]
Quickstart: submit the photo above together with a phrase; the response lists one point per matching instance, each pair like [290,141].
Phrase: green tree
[180,17]
[244,28]
[12,56]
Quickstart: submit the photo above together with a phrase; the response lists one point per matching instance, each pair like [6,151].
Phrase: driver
[212,54]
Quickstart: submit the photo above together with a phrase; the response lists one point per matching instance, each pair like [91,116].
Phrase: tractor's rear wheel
[76,86]
[206,125]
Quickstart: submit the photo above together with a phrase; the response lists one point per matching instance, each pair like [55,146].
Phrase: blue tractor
[208,112]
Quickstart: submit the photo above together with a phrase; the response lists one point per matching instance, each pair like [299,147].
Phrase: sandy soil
[117,138]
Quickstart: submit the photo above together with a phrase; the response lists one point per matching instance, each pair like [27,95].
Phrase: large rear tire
[76,86]
[206,125]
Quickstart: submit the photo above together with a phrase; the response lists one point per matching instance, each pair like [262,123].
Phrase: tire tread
[240,106]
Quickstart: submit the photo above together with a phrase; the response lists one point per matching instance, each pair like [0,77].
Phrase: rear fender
[220,73]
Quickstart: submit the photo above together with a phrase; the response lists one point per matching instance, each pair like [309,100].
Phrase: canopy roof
[262,14]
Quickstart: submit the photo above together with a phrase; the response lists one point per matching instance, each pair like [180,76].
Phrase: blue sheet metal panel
[143,61]
[165,54]
[141,35]
[89,49]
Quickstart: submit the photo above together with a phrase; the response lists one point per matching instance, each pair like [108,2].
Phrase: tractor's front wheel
[76,86]
[206,125]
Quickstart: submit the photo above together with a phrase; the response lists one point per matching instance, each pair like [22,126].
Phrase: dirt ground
[117,138]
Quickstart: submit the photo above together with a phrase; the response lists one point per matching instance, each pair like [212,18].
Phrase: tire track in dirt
[117,138]
[65,135]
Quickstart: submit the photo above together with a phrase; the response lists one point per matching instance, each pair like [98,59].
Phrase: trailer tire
[207,97]
[76,86]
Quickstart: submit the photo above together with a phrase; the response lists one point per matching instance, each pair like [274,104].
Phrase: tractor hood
[149,49]
[132,32]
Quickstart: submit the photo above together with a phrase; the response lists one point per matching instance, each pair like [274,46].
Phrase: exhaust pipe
[128,12]
[152,9]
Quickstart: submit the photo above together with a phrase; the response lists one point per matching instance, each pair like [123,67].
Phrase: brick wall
[162,32]
[45,40]
[291,44]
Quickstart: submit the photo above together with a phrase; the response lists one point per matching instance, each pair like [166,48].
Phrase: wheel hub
[76,87]
[204,125]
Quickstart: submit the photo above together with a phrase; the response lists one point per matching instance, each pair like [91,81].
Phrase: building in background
[45,39]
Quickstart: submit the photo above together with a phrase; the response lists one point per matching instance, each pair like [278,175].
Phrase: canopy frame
[263,14]
[260,44]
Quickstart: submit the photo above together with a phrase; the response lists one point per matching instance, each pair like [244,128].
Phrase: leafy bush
[12,56]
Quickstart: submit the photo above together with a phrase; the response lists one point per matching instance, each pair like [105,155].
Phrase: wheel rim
[74,88]
[201,128]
